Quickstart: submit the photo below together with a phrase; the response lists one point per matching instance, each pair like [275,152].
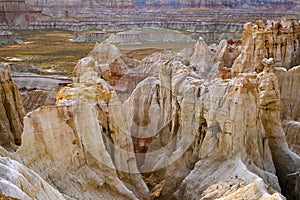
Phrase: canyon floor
[54,50]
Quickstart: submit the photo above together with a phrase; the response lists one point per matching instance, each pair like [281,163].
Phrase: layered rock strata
[189,122]
[209,63]
[276,39]
[193,128]
[142,36]
[151,4]
[289,105]
[286,161]
[37,90]
[19,182]
[11,109]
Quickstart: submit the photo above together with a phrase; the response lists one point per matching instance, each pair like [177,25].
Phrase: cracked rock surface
[212,124]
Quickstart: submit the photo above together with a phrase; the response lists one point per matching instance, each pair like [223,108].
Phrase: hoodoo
[211,122]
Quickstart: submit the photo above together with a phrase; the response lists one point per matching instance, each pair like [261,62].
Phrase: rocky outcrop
[99,63]
[11,109]
[289,105]
[37,90]
[83,168]
[87,165]
[147,35]
[171,119]
[94,36]
[182,119]
[150,118]
[276,39]
[292,129]
[190,129]
[19,182]
[106,62]
[7,37]
[35,98]
[207,63]
[255,190]
[289,90]
[151,4]
[202,58]
[10,10]
[286,161]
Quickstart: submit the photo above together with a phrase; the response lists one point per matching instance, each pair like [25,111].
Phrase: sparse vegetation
[47,49]
[52,49]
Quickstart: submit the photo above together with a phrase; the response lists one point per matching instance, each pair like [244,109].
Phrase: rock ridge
[203,124]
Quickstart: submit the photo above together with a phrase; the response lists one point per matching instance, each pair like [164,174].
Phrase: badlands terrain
[218,121]
[149,100]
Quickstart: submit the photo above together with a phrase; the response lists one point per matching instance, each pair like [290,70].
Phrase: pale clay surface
[198,129]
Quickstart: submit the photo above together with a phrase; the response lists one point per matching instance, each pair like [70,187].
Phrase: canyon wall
[85,25]
[12,111]
[200,124]
[279,40]
[37,90]
[152,4]
[276,39]
[290,98]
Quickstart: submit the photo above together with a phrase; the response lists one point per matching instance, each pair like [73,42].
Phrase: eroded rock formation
[286,161]
[289,105]
[152,4]
[195,124]
[11,109]
[208,63]
[37,90]
[277,39]
[19,182]
[203,124]
[148,35]
[89,153]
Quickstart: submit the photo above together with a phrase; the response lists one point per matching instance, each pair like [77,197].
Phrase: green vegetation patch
[46,49]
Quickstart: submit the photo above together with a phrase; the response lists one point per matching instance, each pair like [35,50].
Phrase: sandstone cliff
[276,39]
[279,40]
[184,122]
[89,169]
[36,90]
[289,105]
[19,182]
[11,109]
[194,128]
[208,63]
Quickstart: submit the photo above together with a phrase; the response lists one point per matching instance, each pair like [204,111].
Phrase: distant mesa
[212,122]
[154,4]
[148,35]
